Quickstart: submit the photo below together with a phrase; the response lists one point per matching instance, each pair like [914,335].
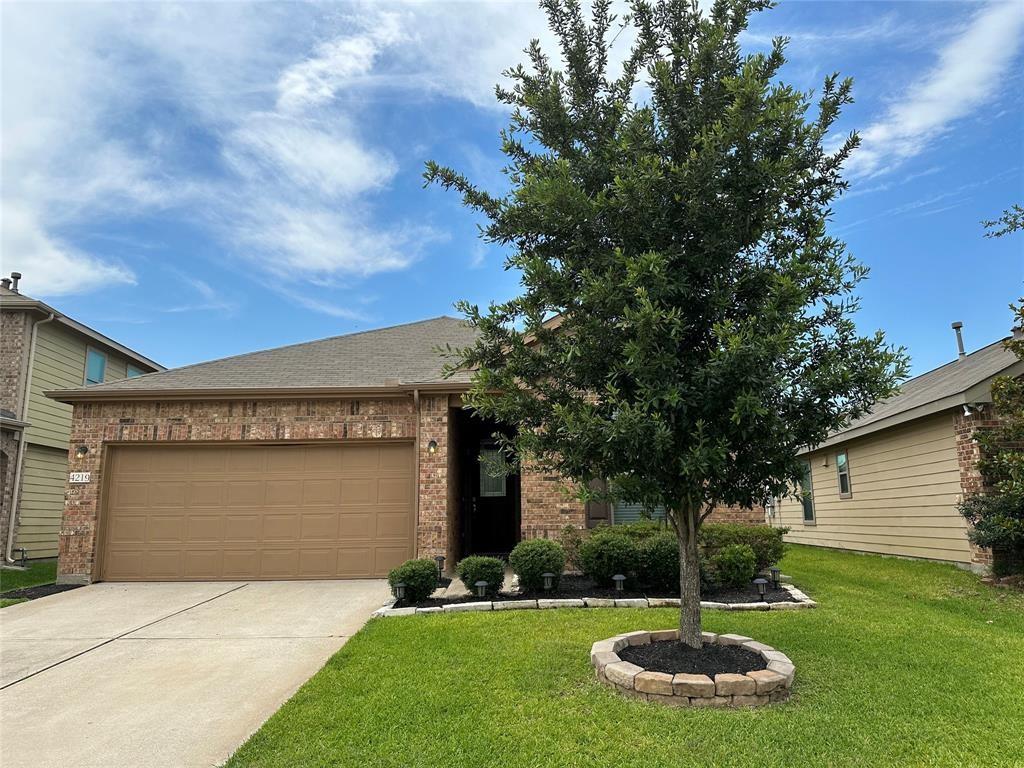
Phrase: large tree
[684,324]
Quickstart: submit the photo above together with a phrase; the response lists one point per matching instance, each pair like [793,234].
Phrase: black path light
[762,586]
[619,580]
[549,581]
[399,590]
[776,573]
[439,559]
[481,588]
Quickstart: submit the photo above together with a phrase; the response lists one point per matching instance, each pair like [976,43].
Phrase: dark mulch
[675,657]
[575,586]
[43,590]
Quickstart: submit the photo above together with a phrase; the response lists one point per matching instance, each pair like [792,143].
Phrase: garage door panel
[242,528]
[205,528]
[283,493]
[321,492]
[245,494]
[202,564]
[355,526]
[320,526]
[257,512]
[357,491]
[392,525]
[163,529]
[354,562]
[278,527]
[387,558]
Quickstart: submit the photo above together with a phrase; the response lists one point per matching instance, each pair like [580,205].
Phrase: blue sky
[200,180]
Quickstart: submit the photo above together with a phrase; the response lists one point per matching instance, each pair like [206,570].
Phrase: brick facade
[968,453]
[547,505]
[14,330]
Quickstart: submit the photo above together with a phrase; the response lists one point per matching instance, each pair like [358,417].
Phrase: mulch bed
[572,586]
[674,657]
[42,590]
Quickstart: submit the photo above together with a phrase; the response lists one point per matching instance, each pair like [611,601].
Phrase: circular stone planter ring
[753,689]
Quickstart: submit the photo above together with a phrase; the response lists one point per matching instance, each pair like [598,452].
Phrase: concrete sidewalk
[163,675]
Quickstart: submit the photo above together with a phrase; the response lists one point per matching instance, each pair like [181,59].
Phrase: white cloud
[50,266]
[968,75]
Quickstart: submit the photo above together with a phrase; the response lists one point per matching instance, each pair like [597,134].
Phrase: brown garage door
[257,512]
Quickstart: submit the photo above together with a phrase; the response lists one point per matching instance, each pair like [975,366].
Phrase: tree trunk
[689,579]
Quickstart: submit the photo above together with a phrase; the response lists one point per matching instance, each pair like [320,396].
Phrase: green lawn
[903,664]
[44,572]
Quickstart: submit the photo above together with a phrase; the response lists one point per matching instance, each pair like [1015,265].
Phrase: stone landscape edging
[802,601]
[757,688]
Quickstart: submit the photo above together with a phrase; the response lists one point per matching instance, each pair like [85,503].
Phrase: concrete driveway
[175,675]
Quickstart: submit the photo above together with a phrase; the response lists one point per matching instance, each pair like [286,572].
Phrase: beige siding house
[43,350]
[890,482]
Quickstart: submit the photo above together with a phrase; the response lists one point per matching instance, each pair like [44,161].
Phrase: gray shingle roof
[937,387]
[386,358]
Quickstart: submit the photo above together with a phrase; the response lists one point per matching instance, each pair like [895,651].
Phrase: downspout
[416,494]
[16,495]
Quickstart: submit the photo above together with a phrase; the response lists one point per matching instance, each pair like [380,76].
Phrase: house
[43,349]
[890,482]
[338,458]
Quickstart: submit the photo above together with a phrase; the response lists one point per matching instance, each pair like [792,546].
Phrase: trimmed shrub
[734,565]
[479,568]
[764,540]
[571,538]
[659,562]
[419,577]
[640,530]
[607,553]
[532,558]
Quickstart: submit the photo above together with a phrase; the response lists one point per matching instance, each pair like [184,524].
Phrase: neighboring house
[891,481]
[42,349]
[337,458]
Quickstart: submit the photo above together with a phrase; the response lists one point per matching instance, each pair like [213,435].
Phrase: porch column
[432,525]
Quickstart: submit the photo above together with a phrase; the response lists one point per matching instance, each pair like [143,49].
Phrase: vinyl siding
[905,483]
[624,512]
[42,500]
[59,363]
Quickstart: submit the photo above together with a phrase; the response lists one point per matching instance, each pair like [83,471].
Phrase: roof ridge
[952,362]
[294,345]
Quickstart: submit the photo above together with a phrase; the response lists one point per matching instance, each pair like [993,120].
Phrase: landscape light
[762,586]
[619,580]
[399,590]
[776,576]
[481,588]
[549,581]
[439,559]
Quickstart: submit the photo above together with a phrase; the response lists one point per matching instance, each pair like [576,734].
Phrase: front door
[492,524]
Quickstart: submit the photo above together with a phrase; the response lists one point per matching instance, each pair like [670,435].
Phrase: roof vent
[6,283]
[15,277]
[959,339]
[1018,332]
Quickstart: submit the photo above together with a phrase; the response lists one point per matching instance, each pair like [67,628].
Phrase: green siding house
[42,349]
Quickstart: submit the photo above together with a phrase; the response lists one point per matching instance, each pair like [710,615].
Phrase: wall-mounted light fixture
[82,451]
[432,447]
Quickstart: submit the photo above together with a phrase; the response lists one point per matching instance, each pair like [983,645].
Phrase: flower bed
[763,675]
[790,598]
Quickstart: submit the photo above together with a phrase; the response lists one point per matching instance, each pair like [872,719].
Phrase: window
[133,371]
[95,366]
[807,494]
[493,471]
[843,470]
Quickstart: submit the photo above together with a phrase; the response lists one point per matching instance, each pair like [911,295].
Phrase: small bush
[659,562]
[734,565]
[607,553]
[478,568]
[571,538]
[640,530]
[419,577]
[764,540]
[532,558]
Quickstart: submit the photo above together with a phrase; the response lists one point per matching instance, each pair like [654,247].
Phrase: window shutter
[598,512]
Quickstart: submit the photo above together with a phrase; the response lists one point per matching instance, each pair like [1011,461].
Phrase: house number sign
[80,477]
